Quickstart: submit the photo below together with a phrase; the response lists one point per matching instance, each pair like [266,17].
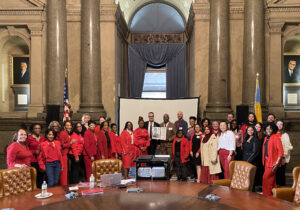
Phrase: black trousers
[39,175]
[76,169]
[152,148]
[181,168]
[280,175]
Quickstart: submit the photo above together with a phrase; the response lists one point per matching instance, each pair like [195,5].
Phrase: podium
[153,167]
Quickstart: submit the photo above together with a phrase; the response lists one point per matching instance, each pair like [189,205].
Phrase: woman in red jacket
[66,142]
[141,139]
[50,158]
[195,143]
[18,154]
[128,152]
[106,145]
[75,152]
[272,155]
[89,148]
[115,137]
[181,149]
[33,143]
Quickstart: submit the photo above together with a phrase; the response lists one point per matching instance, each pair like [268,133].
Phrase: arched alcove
[10,45]
[157,17]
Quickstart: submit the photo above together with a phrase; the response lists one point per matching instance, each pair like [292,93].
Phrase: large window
[155,82]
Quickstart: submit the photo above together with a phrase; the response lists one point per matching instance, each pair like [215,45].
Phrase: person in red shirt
[181,149]
[66,143]
[215,128]
[33,143]
[50,158]
[106,145]
[18,154]
[89,148]
[141,139]
[251,121]
[98,128]
[75,152]
[56,127]
[128,152]
[116,139]
[272,155]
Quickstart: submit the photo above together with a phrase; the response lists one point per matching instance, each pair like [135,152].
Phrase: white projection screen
[130,109]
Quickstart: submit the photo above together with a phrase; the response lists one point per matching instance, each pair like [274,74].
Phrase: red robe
[102,144]
[184,149]
[128,152]
[34,145]
[117,142]
[90,144]
[17,154]
[77,147]
[141,139]
[65,140]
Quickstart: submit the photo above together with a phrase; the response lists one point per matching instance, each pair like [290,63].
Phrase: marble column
[218,83]
[274,81]
[56,51]
[91,95]
[36,77]
[254,51]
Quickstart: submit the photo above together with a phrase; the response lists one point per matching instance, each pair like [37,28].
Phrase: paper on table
[128,181]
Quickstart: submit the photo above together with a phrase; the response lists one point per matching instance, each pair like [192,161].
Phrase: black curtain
[171,55]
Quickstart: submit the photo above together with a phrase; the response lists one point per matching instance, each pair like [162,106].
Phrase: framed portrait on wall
[291,81]
[291,68]
[20,69]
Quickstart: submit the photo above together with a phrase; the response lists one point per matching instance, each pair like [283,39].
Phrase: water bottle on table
[44,189]
[92,181]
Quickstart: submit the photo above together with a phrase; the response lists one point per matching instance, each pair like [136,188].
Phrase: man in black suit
[22,76]
[154,144]
[290,74]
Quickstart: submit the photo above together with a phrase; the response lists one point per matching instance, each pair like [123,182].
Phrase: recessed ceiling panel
[157,17]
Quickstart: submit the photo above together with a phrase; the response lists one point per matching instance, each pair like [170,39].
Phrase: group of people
[202,150]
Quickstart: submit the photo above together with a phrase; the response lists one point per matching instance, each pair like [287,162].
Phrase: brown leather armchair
[291,194]
[106,166]
[15,180]
[241,176]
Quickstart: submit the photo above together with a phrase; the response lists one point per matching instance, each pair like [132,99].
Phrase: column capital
[35,29]
[275,27]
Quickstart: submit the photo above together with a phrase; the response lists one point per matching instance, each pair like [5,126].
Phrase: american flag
[66,99]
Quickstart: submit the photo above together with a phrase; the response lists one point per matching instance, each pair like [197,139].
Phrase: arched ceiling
[129,7]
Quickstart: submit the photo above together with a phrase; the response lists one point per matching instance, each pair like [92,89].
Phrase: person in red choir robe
[33,143]
[98,128]
[56,127]
[181,150]
[106,145]
[66,143]
[50,158]
[128,150]
[18,154]
[195,143]
[117,142]
[90,152]
[215,128]
[141,139]
[272,156]
[250,121]
[204,123]
[75,152]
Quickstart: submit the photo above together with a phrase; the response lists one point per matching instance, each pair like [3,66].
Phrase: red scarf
[207,136]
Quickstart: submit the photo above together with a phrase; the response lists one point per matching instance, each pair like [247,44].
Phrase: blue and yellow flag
[257,105]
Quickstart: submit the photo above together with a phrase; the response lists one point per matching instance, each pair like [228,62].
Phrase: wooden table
[187,195]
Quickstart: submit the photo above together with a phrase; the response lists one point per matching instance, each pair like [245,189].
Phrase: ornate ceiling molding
[156,38]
